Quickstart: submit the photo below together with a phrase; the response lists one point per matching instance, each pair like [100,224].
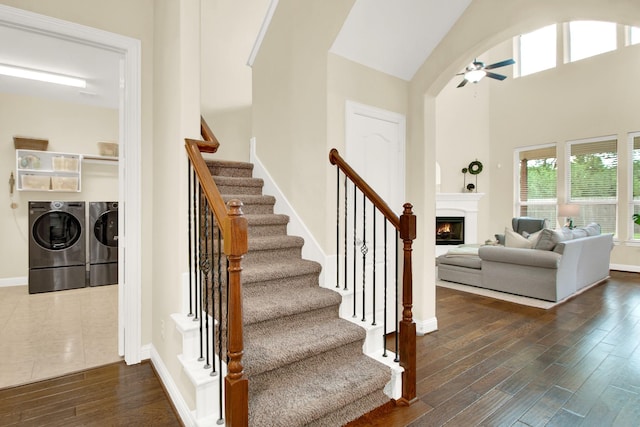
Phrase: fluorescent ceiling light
[43,76]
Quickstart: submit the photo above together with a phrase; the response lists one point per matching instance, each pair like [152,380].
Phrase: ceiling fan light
[475,76]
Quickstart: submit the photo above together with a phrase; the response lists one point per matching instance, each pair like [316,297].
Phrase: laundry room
[71,131]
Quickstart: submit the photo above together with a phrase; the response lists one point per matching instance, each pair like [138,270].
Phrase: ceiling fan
[475,71]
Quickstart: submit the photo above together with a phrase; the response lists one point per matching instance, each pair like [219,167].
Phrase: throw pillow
[515,240]
[533,237]
[592,229]
[550,238]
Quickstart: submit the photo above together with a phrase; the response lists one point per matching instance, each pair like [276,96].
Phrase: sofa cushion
[515,240]
[549,238]
[460,261]
[518,256]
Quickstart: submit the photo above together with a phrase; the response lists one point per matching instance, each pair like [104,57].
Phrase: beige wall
[290,103]
[132,19]
[176,113]
[228,31]
[70,128]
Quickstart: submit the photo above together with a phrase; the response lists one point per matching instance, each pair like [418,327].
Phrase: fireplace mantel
[459,204]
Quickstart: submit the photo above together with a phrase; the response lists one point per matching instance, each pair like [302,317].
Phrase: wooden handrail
[235,237]
[337,160]
[208,135]
[406,226]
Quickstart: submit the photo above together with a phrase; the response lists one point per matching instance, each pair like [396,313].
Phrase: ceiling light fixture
[474,76]
[43,76]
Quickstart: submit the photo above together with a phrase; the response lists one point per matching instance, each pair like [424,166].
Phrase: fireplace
[449,230]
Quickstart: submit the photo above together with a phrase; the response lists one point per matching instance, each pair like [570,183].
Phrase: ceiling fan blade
[462,83]
[500,64]
[496,76]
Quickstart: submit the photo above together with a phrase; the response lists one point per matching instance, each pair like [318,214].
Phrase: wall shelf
[48,171]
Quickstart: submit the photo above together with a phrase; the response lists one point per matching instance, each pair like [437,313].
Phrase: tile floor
[54,333]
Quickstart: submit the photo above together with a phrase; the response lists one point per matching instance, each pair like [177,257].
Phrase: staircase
[304,363]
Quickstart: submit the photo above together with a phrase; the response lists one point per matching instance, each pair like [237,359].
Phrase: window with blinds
[635,183]
[538,182]
[593,183]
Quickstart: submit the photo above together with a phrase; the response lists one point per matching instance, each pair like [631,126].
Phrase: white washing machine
[103,243]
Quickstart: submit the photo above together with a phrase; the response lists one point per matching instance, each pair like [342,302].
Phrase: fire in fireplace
[449,230]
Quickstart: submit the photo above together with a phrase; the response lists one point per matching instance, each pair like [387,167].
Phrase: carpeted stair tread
[275,347]
[277,271]
[266,219]
[307,391]
[229,168]
[264,243]
[274,303]
[238,185]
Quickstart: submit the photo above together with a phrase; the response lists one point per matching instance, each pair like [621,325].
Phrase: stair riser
[267,230]
[231,171]
[291,283]
[257,208]
[239,189]
[271,256]
[283,322]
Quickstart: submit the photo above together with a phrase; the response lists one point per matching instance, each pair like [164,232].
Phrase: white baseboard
[311,249]
[425,326]
[14,281]
[145,351]
[172,389]
[625,267]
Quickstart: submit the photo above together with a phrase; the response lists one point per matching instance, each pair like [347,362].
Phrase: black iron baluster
[373,291]
[209,281]
[214,289]
[200,264]
[337,227]
[346,217]
[384,327]
[355,244]
[197,250]
[206,268]
[397,359]
[364,250]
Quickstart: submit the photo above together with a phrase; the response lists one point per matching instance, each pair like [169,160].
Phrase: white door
[375,146]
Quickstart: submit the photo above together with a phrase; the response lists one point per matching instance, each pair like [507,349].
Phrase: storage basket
[36,182]
[23,143]
[109,149]
[64,183]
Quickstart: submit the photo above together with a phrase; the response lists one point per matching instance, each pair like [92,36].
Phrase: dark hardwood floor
[491,363]
[111,395]
[494,363]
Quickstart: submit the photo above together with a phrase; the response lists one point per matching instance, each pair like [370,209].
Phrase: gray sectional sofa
[563,264]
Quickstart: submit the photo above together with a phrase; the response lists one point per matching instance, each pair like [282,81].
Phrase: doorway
[375,147]
[129,275]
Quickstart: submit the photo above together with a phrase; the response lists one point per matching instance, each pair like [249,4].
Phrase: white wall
[69,128]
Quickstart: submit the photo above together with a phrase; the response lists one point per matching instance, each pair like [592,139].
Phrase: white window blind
[538,182]
[635,158]
[593,182]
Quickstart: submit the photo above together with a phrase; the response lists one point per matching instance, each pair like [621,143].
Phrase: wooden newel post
[407,326]
[236,383]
